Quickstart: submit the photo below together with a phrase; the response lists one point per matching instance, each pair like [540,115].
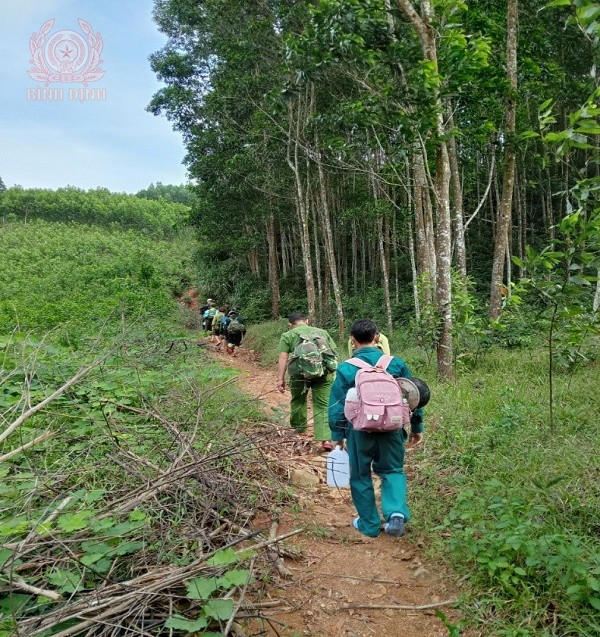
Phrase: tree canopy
[350,155]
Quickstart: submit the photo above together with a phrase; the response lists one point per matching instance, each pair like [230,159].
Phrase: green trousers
[384,452]
[320,389]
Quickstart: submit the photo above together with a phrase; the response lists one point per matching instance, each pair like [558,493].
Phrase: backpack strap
[357,362]
[384,362]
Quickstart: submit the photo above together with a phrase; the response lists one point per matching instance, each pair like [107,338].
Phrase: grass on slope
[77,511]
[75,279]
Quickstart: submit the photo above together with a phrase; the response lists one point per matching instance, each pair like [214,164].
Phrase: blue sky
[113,143]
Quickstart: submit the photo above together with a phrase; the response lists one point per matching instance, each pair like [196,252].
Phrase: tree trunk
[394,241]
[293,151]
[363,260]
[445,363]
[273,266]
[426,33]
[504,214]
[329,248]
[354,258]
[457,200]
[386,278]
[520,230]
[284,258]
[420,186]
[411,247]
[320,295]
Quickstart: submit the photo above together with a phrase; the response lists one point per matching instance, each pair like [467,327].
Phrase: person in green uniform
[381,342]
[381,451]
[319,387]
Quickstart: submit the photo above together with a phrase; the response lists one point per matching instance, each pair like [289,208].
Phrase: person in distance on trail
[309,356]
[235,332]
[216,325]
[382,451]
[381,342]
[220,324]
[209,316]
[203,309]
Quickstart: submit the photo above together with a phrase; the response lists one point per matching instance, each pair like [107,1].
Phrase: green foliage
[202,588]
[498,489]
[79,291]
[264,339]
[468,323]
[168,193]
[95,207]
[115,274]
[517,556]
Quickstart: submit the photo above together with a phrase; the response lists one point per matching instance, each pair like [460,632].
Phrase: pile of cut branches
[136,516]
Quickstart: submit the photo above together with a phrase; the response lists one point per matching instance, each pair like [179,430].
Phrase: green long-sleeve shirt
[345,379]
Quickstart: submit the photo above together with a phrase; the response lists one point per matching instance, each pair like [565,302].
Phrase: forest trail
[340,567]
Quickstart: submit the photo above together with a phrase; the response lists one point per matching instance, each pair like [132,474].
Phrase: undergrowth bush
[516,505]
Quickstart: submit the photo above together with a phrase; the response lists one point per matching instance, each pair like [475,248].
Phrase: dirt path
[341,567]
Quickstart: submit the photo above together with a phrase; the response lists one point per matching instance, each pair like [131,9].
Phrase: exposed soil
[339,566]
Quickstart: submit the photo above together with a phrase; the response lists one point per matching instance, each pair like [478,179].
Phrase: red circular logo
[66,52]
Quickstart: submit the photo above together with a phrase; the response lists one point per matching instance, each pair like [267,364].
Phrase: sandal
[326,445]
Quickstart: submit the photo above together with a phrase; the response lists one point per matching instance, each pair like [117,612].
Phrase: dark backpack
[236,327]
[312,357]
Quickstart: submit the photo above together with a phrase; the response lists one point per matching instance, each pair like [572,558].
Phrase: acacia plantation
[351,155]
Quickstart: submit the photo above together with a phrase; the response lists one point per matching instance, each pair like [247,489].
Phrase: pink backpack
[376,402]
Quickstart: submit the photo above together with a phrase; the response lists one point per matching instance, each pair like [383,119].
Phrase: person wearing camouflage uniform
[320,387]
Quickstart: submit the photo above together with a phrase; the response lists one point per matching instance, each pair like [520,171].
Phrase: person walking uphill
[309,355]
[383,451]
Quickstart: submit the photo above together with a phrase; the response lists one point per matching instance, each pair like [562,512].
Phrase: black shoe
[395,527]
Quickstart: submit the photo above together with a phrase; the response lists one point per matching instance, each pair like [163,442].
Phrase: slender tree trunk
[520,245]
[457,200]
[504,214]
[363,259]
[411,247]
[273,266]
[317,248]
[354,258]
[394,241]
[329,248]
[426,33]
[413,270]
[445,363]
[386,277]
[284,257]
[509,253]
[596,303]
[293,152]
[430,234]
[551,229]
[423,246]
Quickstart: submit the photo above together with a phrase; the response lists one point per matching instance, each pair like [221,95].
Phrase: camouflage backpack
[312,357]
[235,326]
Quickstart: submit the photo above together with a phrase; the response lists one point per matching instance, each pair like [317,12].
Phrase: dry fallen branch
[17,582]
[61,390]
[111,600]
[448,602]
[45,436]
[240,601]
